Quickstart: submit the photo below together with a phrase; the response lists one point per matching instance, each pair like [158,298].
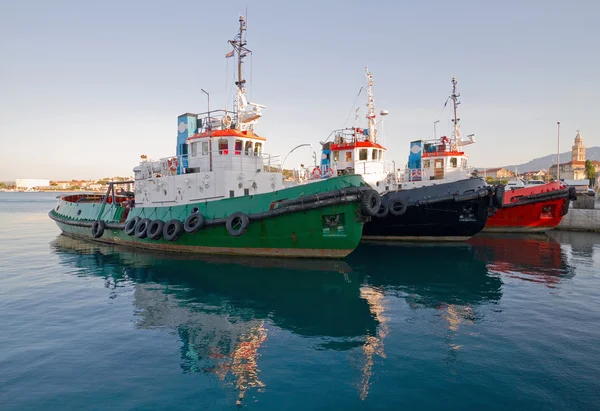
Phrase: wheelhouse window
[374,154]
[348,156]
[238,147]
[257,149]
[336,156]
[204,148]
[426,163]
[248,148]
[362,154]
[453,162]
[223,146]
[380,154]
[194,149]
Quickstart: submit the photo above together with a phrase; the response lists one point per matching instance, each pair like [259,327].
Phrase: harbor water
[501,322]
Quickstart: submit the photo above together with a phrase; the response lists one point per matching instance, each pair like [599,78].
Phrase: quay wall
[580,220]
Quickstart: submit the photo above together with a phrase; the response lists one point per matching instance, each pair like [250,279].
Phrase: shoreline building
[574,169]
[28,184]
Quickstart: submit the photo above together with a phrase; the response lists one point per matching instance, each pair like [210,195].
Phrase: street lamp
[434,130]
[558,151]
[208,96]
[286,156]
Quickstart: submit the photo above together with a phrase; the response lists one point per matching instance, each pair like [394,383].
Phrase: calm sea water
[498,323]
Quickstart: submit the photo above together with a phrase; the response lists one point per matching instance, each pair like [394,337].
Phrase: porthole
[195,210]
[78,212]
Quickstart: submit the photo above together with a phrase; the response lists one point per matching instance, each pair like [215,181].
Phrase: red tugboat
[531,209]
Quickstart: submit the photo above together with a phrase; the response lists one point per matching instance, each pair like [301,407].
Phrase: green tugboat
[221,194]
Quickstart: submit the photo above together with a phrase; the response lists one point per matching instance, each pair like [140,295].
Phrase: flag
[230,54]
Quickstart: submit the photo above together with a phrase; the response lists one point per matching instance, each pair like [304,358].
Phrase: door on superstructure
[438,165]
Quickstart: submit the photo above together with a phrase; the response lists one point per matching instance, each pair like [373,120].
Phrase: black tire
[193,222]
[237,223]
[155,229]
[499,195]
[98,228]
[383,211]
[398,208]
[572,193]
[172,230]
[141,228]
[370,203]
[130,226]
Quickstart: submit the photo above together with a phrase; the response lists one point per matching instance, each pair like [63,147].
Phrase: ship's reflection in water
[223,309]
[535,258]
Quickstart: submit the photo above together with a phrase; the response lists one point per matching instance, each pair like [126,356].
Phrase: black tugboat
[435,199]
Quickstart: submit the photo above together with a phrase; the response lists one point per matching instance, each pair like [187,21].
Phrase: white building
[29,183]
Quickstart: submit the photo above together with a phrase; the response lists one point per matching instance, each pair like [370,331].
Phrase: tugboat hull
[531,210]
[285,223]
[452,211]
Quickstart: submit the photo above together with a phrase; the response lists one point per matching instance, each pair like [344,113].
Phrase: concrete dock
[581,220]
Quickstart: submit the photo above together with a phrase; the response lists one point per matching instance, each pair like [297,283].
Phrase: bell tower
[578,151]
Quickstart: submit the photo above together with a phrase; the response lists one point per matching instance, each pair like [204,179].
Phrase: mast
[239,47]
[371,107]
[456,132]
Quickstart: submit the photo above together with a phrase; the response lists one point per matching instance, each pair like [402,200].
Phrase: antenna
[456,133]
[371,106]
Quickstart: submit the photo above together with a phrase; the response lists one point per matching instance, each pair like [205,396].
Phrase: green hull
[298,234]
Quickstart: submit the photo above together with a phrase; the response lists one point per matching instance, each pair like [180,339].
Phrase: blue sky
[87,87]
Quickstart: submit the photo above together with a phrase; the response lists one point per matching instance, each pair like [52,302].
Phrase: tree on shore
[590,172]
[2,185]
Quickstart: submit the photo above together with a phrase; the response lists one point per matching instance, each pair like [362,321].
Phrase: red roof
[350,146]
[444,154]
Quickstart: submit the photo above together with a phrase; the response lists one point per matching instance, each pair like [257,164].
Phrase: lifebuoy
[370,203]
[141,228]
[398,208]
[329,172]
[193,222]
[172,230]
[130,226]
[173,163]
[155,229]
[316,172]
[237,223]
[98,228]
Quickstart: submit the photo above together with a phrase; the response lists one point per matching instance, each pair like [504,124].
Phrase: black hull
[452,211]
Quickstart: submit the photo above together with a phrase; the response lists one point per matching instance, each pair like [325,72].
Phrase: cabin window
[348,156]
[362,154]
[257,149]
[248,148]
[374,155]
[238,147]
[453,162]
[426,163]
[194,149]
[463,162]
[204,148]
[223,146]
[336,156]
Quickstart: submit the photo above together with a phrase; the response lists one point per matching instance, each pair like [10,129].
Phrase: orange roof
[444,154]
[227,133]
[349,146]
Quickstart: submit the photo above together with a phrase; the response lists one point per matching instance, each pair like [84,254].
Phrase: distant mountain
[592,153]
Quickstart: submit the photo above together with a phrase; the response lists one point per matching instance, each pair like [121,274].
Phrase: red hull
[537,216]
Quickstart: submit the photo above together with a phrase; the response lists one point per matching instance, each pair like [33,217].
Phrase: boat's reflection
[223,308]
[534,257]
